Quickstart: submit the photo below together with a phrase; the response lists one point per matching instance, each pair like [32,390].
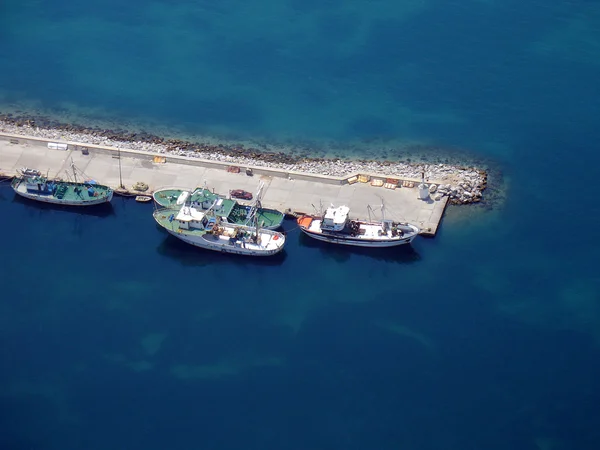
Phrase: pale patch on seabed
[202,316]
[141,362]
[54,393]
[281,22]
[228,366]
[491,274]
[137,365]
[577,40]
[71,113]
[126,295]
[140,366]
[284,137]
[320,289]
[116,358]
[491,279]
[152,343]
[580,301]
[547,443]
[575,307]
[404,331]
[294,309]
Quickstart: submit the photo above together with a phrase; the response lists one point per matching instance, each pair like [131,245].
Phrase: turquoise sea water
[116,336]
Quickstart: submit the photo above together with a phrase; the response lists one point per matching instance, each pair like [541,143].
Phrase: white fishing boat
[202,228]
[335,226]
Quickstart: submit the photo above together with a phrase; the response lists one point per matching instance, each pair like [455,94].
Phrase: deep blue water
[116,336]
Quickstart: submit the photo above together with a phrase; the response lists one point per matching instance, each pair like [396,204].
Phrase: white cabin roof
[337,215]
[182,197]
[187,214]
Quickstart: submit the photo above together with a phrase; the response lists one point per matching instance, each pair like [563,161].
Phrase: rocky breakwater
[462,185]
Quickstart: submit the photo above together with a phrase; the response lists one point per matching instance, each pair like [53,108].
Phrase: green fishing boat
[227,209]
[35,186]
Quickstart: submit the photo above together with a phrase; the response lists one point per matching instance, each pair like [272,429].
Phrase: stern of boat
[304,222]
[278,242]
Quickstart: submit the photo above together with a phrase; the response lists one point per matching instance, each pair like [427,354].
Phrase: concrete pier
[286,191]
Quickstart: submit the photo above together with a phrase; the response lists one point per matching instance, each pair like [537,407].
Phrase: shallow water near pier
[115,335]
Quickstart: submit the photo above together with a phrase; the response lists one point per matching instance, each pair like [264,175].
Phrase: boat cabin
[190,218]
[204,199]
[39,185]
[335,218]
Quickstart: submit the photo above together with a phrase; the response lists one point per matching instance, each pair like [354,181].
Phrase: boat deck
[168,198]
[234,211]
[266,217]
[267,241]
[166,218]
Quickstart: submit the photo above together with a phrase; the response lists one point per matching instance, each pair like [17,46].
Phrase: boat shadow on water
[402,254]
[100,210]
[189,255]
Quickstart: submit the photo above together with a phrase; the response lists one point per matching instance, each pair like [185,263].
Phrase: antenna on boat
[319,210]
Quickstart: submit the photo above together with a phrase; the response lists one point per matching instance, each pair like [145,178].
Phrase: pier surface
[285,191]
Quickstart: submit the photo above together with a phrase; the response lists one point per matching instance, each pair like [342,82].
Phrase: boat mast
[256,225]
[256,205]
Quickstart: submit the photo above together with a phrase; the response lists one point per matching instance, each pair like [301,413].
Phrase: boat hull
[357,242]
[221,246]
[56,201]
